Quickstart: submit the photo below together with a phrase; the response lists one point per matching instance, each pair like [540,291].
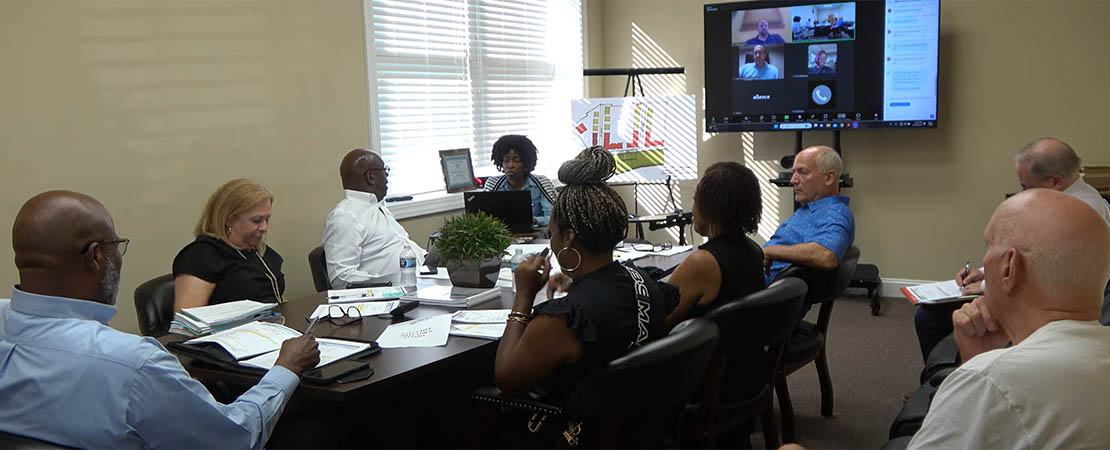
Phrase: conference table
[420,379]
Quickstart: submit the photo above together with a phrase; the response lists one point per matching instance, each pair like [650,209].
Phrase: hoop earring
[560,253]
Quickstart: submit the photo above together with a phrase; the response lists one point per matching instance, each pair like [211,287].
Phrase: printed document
[481,316]
[331,350]
[478,330]
[423,332]
[250,339]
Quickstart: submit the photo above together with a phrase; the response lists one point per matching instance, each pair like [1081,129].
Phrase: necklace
[269,274]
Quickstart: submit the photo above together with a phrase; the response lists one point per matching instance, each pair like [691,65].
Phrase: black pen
[967,270]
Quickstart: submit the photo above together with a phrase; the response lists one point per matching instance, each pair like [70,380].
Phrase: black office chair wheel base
[876,306]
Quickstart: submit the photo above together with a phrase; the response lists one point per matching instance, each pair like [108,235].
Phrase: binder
[213,355]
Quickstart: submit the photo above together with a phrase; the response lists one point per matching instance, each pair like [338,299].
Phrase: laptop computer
[514,208]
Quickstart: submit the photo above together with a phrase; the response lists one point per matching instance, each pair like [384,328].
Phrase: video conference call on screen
[829,65]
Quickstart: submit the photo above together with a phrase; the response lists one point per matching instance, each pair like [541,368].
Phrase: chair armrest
[533,402]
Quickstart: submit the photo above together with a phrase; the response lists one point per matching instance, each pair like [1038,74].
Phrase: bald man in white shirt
[362,241]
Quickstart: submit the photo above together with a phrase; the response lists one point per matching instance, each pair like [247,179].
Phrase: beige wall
[149,106]
[1010,72]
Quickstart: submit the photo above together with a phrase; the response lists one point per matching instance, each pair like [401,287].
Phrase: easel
[655,222]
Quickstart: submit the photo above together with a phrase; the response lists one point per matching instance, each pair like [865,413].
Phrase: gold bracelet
[520,315]
[518,319]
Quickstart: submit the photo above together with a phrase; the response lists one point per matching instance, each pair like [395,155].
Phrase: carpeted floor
[873,361]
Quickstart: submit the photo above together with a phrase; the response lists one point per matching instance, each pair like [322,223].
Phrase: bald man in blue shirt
[823,228]
[68,378]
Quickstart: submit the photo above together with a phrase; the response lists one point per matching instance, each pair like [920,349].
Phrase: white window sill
[426,204]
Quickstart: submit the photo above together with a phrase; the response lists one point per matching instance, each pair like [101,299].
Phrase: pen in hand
[967,271]
[312,324]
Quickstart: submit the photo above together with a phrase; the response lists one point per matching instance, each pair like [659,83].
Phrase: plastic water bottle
[408,269]
[518,258]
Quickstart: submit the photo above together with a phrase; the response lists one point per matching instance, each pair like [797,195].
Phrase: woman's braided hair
[589,206]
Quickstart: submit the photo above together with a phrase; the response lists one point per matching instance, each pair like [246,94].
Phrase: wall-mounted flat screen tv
[804,65]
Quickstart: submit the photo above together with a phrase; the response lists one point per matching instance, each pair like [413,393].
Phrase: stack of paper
[484,324]
[939,292]
[206,319]
[453,296]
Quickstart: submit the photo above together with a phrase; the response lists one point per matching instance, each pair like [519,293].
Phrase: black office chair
[807,343]
[17,442]
[651,381]
[942,361]
[154,305]
[318,265]
[740,382]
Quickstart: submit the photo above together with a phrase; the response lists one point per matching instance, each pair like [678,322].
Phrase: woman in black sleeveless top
[727,206]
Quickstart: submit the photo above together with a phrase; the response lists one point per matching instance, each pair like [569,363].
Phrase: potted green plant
[472,245]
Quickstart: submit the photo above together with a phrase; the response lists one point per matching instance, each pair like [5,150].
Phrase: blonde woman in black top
[229,260]
[602,317]
[727,206]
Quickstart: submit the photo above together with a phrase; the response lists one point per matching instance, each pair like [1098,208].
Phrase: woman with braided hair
[601,318]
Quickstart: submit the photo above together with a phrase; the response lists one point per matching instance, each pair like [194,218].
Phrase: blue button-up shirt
[68,378]
[541,207]
[827,222]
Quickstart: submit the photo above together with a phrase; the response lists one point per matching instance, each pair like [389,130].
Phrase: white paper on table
[364,309]
[481,316]
[423,332]
[627,253]
[331,350]
[478,330]
[527,249]
[674,250]
[251,339]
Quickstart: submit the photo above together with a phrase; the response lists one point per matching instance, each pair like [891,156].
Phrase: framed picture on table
[458,170]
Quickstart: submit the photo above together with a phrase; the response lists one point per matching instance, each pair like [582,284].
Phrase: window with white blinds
[461,73]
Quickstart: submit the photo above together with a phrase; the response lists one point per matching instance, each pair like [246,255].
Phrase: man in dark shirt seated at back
[68,378]
[823,228]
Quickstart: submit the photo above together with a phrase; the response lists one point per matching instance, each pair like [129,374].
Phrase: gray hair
[829,159]
[1046,157]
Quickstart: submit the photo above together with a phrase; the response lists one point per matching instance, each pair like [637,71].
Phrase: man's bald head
[1047,163]
[361,170]
[1064,251]
[54,238]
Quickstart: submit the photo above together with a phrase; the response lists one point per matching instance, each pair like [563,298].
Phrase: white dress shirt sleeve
[169,409]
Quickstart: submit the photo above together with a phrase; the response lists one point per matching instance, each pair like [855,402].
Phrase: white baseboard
[892,287]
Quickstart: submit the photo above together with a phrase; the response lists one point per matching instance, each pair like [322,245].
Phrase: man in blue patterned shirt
[822,229]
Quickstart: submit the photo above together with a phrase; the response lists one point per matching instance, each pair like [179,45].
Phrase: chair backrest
[761,318]
[825,285]
[650,379]
[17,442]
[754,331]
[318,265]
[154,305]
